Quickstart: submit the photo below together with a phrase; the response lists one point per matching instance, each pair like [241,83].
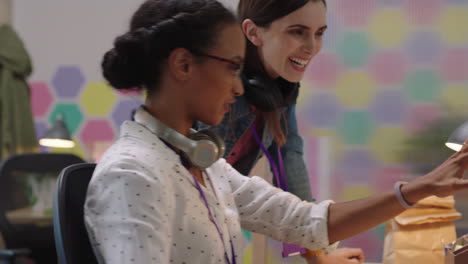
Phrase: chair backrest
[38,162]
[13,195]
[71,237]
[29,163]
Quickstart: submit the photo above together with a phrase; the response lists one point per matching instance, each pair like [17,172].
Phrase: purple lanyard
[278,173]
[212,219]
[185,163]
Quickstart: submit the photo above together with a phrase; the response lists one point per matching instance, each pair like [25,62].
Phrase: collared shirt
[142,206]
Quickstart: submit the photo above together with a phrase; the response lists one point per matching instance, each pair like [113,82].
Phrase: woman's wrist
[399,195]
[414,191]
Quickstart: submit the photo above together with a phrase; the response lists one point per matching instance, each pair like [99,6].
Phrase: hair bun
[157,28]
[122,66]
[118,72]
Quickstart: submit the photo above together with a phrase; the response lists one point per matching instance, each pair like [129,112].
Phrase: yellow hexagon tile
[452,25]
[386,143]
[247,257]
[455,97]
[307,90]
[388,27]
[97,99]
[355,89]
[354,192]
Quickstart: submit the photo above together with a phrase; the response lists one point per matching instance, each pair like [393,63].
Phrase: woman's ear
[252,32]
[180,63]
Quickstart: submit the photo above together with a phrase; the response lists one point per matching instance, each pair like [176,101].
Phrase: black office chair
[71,237]
[13,195]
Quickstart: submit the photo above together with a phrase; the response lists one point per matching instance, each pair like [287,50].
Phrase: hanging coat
[17,133]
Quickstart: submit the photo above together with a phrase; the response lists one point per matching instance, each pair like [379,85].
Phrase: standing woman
[282,39]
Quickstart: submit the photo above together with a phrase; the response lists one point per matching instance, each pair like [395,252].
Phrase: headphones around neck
[269,94]
[201,149]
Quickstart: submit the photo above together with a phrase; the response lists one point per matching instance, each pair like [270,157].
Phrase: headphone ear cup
[199,149]
[219,142]
[208,149]
[263,92]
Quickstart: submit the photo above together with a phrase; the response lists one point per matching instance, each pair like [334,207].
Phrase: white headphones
[201,149]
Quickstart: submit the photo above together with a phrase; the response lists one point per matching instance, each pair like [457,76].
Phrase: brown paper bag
[418,235]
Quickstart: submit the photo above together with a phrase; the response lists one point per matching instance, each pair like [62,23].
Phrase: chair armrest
[13,253]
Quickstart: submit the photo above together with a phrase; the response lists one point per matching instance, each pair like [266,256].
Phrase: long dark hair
[263,13]
[157,28]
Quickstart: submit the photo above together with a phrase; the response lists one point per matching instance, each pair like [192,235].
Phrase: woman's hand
[339,256]
[443,181]
[346,219]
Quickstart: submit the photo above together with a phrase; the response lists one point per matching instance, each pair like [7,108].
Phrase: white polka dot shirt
[142,206]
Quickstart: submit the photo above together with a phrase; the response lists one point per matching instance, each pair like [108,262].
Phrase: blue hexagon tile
[68,81]
[123,110]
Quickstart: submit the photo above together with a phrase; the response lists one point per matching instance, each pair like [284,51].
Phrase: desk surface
[28,216]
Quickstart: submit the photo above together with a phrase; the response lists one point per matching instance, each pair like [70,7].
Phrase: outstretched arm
[350,218]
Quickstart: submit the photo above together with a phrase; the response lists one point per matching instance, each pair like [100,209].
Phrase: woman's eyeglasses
[236,66]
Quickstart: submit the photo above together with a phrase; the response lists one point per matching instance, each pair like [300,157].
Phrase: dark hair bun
[122,66]
[157,28]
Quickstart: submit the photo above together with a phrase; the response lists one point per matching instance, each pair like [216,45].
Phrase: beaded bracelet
[399,196]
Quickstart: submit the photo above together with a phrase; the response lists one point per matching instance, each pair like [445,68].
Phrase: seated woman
[161,194]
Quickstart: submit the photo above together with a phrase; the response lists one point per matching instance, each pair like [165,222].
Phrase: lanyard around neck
[279,173]
[212,219]
[205,201]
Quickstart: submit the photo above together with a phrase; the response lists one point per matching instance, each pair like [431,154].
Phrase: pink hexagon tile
[423,11]
[454,65]
[387,175]
[323,70]
[97,130]
[421,115]
[390,3]
[132,91]
[41,98]
[354,13]
[388,67]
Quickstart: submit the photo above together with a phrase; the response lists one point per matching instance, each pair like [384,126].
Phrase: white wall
[230,3]
[58,32]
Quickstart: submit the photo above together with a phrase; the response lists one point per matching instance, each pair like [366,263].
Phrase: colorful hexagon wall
[93,111]
[388,70]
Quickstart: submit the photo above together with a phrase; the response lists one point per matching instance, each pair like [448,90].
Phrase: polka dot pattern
[142,207]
